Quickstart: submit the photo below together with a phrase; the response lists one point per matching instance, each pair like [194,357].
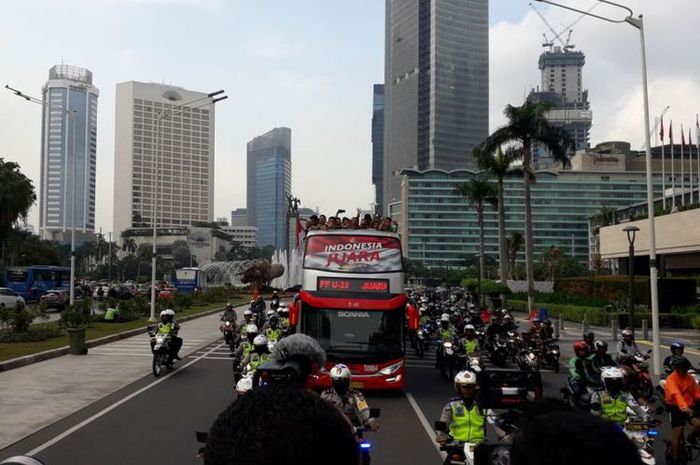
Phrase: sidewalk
[37,395]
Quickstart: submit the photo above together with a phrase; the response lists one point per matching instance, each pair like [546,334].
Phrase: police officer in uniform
[349,401]
[464,417]
[612,402]
[258,355]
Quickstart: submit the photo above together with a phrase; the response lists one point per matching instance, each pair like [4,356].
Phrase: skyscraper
[269,182]
[436,87]
[185,157]
[68,154]
[561,87]
[378,145]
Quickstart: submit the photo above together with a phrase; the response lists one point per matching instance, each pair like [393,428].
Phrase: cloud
[272,45]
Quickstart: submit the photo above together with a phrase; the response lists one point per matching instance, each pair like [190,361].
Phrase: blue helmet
[677,348]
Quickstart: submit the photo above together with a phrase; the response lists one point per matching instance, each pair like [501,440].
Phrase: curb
[59,352]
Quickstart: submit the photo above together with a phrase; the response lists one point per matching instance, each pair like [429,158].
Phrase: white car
[9,298]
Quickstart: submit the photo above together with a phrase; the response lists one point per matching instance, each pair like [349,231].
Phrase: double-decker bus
[352,302]
[31,282]
[190,280]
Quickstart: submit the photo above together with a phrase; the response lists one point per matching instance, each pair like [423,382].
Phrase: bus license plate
[357,384]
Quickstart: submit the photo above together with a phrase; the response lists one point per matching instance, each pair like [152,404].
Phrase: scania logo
[353,314]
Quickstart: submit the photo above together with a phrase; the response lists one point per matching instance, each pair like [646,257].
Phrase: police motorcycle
[228,328]
[642,432]
[551,354]
[448,358]
[161,350]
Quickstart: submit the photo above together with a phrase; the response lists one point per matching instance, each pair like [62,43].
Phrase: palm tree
[129,245]
[478,191]
[514,242]
[528,125]
[500,165]
[16,196]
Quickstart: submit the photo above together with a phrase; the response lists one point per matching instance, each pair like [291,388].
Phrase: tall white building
[68,154]
[185,191]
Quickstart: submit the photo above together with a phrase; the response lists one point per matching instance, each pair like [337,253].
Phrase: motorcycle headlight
[228,323]
[391,368]
[448,345]
[531,356]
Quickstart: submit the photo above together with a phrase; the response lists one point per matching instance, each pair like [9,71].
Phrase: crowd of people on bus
[324,223]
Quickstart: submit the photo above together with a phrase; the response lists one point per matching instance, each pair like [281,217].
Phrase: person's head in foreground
[281,425]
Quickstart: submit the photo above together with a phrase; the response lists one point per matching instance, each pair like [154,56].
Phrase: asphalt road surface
[153,421]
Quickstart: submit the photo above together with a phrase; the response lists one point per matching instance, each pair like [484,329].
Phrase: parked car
[9,298]
[55,298]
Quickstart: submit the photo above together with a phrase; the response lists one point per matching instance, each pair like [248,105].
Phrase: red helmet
[580,346]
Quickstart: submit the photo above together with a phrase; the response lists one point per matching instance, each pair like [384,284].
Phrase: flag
[297,233]
[661,132]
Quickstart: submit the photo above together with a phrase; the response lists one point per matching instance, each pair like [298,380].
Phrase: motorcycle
[584,401]
[421,341]
[365,447]
[641,378]
[642,433]
[512,341]
[528,359]
[161,351]
[446,359]
[228,327]
[551,355]
[499,352]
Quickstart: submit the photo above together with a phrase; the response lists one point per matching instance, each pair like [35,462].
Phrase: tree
[181,254]
[16,196]
[478,191]
[514,243]
[500,165]
[24,248]
[129,245]
[528,125]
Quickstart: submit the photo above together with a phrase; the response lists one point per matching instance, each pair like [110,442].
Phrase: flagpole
[663,168]
[697,149]
[690,165]
[682,166]
[673,169]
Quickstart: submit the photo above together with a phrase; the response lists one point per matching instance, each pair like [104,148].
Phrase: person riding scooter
[169,327]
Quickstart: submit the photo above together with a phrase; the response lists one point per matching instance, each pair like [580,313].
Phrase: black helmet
[677,348]
[588,336]
[680,362]
[600,345]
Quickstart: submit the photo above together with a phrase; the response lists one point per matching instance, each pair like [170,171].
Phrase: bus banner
[352,253]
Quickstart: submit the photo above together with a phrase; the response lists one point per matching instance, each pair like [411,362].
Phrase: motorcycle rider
[258,355]
[169,327]
[273,331]
[246,345]
[247,320]
[229,314]
[612,402]
[682,394]
[446,333]
[283,314]
[463,416]
[469,343]
[275,301]
[578,376]
[677,348]
[599,360]
[546,330]
[626,347]
[347,400]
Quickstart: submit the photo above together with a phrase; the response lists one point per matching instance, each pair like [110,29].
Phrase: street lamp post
[478,280]
[638,23]
[72,116]
[208,100]
[631,233]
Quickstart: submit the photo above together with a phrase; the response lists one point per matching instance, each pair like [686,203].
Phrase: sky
[310,65]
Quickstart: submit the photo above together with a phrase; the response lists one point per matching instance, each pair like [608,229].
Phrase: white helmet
[340,372]
[244,385]
[260,340]
[627,332]
[445,317]
[465,378]
[270,313]
[247,313]
[469,327]
[251,329]
[611,373]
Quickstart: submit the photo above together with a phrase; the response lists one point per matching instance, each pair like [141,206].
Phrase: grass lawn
[10,350]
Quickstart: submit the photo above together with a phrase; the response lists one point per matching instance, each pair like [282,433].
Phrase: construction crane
[656,126]
[566,45]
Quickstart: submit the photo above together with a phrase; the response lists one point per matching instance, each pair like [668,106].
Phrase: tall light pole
[631,232]
[160,116]
[71,116]
[638,23]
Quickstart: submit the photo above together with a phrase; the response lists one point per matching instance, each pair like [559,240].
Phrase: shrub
[76,316]
[35,333]
[696,322]
[488,286]
[18,319]
[182,301]
[563,299]
[593,315]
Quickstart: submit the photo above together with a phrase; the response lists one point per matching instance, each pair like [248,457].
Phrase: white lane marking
[429,367]
[108,409]
[120,354]
[228,359]
[426,425]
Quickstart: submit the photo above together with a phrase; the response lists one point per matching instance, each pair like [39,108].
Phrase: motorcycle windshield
[357,334]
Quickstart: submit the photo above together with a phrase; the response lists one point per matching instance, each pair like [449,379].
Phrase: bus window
[17,276]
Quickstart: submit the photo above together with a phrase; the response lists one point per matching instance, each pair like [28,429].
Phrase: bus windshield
[185,275]
[358,333]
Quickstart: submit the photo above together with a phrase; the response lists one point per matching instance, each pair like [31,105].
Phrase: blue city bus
[31,282]
[190,280]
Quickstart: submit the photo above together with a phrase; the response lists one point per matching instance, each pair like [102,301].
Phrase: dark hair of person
[280,425]
[554,434]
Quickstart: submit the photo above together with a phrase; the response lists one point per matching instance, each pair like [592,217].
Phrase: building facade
[269,183]
[378,146]
[184,163]
[440,228]
[68,154]
[247,236]
[436,87]
[239,217]
[562,88]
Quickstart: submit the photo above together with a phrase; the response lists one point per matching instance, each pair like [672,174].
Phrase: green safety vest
[470,346]
[446,335]
[614,409]
[272,334]
[111,314]
[256,360]
[467,425]
[164,329]
[247,348]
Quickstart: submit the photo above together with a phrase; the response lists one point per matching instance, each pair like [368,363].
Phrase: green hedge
[595,316]
[607,288]
[563,299]
[37,332]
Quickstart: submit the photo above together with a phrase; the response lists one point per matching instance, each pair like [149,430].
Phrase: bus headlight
[391,368]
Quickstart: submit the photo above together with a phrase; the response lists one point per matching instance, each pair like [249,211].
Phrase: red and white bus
[352,302]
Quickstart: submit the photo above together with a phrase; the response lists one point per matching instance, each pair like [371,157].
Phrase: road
[154,421]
